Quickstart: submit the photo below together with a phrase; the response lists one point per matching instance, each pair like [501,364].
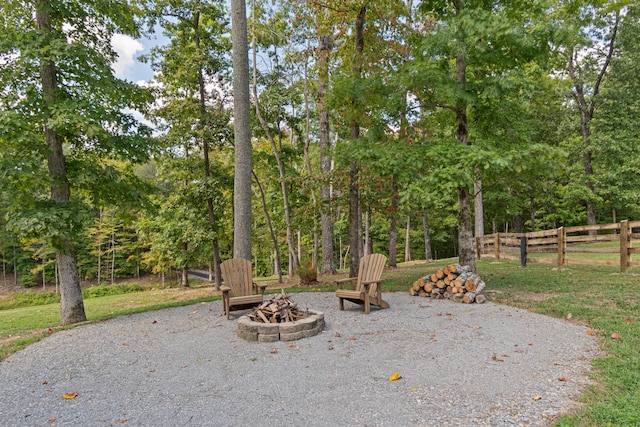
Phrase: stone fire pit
[279,319]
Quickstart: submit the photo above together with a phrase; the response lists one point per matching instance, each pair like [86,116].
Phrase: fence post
[561,242]
[523,251]
[625,243]
[496,248]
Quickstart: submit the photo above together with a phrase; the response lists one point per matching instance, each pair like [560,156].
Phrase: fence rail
[564,245]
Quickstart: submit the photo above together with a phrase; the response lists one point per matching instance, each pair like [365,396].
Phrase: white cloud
[126,48]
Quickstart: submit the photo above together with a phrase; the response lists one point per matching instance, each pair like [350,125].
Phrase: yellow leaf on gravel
[395,376]
[536,398]
[70,395]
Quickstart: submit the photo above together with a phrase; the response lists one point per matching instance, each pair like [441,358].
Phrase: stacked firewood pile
[454,282]
[278,309]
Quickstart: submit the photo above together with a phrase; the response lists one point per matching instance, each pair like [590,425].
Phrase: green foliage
[103,290]
[29,298]
[308,273]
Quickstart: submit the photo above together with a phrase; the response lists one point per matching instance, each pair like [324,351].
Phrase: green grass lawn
[600,297]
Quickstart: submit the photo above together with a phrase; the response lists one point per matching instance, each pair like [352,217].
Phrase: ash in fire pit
[280,319]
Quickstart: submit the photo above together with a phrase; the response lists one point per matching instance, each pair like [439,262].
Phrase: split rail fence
[567,245]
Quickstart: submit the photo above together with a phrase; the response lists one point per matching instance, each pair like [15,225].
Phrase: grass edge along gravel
[600,297]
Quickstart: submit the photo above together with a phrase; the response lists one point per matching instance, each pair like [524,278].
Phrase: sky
[128,67]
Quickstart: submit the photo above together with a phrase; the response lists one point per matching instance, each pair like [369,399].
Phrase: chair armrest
[225,288]
[340,282]
[260,287]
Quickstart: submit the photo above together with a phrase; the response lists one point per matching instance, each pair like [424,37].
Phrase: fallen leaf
[536,398]
[52,420]
[274,350]
[533,310]
[564,379]
[629,320]
[352,338]
[569,316]
[414,389]
[337,334]
[590,332]
[45,382]
[616,336]
[330,347]
[395,376]
[122,421]
[70,395]
[154,322]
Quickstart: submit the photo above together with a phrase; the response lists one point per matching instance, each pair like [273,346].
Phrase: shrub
[308,274]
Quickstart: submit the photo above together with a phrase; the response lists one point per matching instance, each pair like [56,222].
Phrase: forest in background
[398,127]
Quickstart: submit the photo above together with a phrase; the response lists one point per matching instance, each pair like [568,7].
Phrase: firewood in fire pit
[278,309]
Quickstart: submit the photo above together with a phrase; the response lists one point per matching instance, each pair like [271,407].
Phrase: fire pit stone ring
[285,331]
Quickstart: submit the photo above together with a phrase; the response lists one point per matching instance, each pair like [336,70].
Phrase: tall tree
[591,47]
[62,104]
[192,74]
[242,132]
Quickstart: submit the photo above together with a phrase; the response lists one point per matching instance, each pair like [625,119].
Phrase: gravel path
[461,365]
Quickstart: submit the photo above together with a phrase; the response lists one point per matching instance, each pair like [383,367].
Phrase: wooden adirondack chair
[367,291]
[238,289]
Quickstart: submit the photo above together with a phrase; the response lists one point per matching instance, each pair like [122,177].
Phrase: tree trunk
[427,237]
[465,234]
[307,159]
[293,259]
[393,224]
[207,166]
[274,237]
[478,204]
[325,44]
[407,241]
[586,111]
[354,209]
[71,303]
[242,133]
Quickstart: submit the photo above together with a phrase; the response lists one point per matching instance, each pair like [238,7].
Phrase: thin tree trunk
[586,111]
[213,222]
[242,133]
[274,237]
[427,237]
[393,224]
[100,218]
[478,204]
[293,259]
[354,196]
[407,241]
[71,303]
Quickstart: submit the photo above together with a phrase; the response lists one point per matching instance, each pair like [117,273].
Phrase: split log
[412,292]
[428,287]
[440,284]
[470,297]
[416,286]
[457,298]
[439,274]
[480,299]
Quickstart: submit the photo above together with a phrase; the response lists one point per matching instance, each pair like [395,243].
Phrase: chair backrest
[371,267]
[236,273]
